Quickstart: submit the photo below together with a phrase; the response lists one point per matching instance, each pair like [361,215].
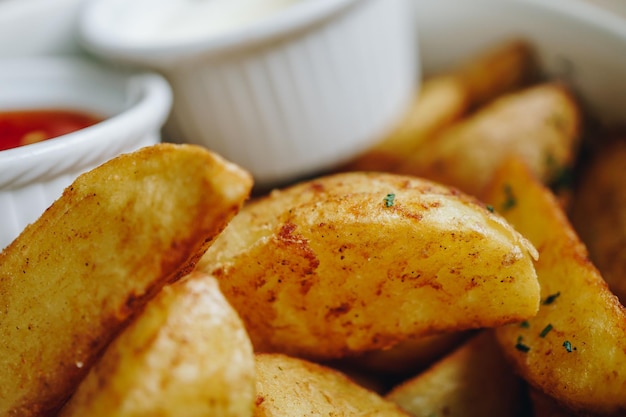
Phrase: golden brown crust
[310,268]
[577,341]
[76,275]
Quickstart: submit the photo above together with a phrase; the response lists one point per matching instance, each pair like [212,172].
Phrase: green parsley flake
[561,177]
[550,299]
[510,200]
[389,199]
[545,330]
[568,346]
[490,208]
[525,324]
[521,346]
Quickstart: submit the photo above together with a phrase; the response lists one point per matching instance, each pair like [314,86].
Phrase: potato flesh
[575,348]
[311,268]
[187,352]
[72,279]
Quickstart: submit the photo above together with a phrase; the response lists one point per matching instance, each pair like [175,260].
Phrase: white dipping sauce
[145,22]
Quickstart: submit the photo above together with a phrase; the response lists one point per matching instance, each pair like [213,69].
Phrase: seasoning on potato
[574,349]
[72,279]
[358,261]
[186,353]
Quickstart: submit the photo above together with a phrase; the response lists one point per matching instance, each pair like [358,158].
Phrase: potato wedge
[288,386]
[359,261]
[574,350]
[411,355]
[186,354]
[73,278]
[599,214]
[544,406]
[473,381]
[444,99]
[499,69]
[540,124]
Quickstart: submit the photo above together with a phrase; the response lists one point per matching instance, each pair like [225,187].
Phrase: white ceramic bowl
[134,105]
[38,27]
[285,96]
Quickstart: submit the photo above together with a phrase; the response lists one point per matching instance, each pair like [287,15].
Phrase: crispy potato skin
[73,278]
[599,214]
[331,267]
[473,381]
[186,354]
[540,125]
[288,386]
[574,349]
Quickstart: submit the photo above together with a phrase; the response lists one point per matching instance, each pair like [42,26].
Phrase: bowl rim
[149,108]
[13,10]
[585,12]
[93,32]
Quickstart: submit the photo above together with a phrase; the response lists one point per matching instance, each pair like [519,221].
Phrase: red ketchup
[23,127]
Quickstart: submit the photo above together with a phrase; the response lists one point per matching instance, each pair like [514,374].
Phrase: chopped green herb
[568,346]
[563,179]
[521,346]
[550,161]
[510,200]
[545,331]
[389,200]
[525,324]
[550,299]
[490,208]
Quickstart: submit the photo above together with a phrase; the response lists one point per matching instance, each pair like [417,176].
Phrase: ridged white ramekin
[135,107]
[288,96]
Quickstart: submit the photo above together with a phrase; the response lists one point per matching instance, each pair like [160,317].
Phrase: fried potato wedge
[544,406]
[288,386]
[540,124]
[499,69]
[473,381]
[353,262]
[444,99]
[409,356]
[73,278]
[599,214]
[186,354]
[574,350]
